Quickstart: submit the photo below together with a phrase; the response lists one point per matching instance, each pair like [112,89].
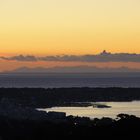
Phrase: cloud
[20,58]
[102,57]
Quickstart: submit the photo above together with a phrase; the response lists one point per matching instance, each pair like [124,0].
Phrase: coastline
[46,98]
[19,118]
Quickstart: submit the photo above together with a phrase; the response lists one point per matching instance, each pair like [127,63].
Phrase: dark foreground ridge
[51,125]
[19,119]
[26,123]
[43,98]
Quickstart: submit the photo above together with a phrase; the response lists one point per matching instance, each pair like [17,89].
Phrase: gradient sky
[50,27]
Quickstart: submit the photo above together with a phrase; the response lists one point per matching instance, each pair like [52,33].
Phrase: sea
[59,80]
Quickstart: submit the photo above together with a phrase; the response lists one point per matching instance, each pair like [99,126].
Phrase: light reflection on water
[132,108]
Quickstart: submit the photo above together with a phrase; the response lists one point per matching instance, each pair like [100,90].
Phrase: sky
[72,27]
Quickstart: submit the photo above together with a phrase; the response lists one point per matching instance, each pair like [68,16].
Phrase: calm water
[80,80]
[70,80]
[132,108]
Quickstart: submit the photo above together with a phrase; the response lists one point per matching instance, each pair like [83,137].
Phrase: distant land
[76,69]
[104,56]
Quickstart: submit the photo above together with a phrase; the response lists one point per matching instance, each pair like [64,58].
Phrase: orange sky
[5,65]
[51,27]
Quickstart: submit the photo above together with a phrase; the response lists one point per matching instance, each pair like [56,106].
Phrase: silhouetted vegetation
[70,127]
[19,119]
[43,98]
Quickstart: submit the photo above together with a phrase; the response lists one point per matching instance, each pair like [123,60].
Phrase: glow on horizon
[50,27]
[9,66]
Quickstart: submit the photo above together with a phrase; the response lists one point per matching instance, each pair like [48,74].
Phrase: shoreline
[46,98]
[19,118]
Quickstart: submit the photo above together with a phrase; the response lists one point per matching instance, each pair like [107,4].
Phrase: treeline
[39,97]
[72,127]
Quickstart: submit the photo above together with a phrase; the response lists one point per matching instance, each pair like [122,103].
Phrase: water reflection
[132,108]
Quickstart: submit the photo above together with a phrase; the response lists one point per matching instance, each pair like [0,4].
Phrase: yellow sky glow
[69,26]
[51,27]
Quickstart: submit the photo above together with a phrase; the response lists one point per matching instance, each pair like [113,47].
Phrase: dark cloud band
[102,57]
